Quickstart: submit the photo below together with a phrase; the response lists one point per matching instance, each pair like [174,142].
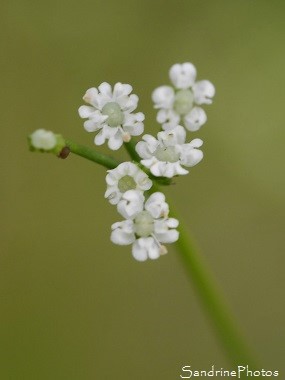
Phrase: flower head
[110,113]
[148,227]
[126,176]
[179,103]
[166,155]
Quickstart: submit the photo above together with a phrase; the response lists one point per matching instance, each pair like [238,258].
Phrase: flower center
[167,154]
[183,102]
[114,113]
[144,224]
[126,183]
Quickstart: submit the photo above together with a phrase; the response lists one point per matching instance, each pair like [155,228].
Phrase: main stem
[212,301]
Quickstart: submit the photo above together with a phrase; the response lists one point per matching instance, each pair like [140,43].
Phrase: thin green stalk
[131,149]
[210,297]
[92,155]
[212,301]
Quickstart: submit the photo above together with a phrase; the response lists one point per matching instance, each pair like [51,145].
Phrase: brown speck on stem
[64,153]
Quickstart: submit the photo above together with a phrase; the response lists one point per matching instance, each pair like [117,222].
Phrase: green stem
[92,155]
[212,300]
[210,297]
[131,149]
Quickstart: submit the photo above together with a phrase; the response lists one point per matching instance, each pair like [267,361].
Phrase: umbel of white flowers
[179,103]
[110,113]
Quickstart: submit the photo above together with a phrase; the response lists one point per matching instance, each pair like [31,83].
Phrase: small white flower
[126,176]
[111,113]
[148,227]
[179,103]
[42,139]
[166,155]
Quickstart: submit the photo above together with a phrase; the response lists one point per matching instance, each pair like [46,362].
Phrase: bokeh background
[76,307]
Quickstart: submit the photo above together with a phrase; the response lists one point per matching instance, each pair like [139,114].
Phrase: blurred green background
[76,307]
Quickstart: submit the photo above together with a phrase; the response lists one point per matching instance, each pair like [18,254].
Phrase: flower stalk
[92,155]
[212,300]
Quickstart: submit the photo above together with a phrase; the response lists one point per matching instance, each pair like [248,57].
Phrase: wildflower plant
[134,187]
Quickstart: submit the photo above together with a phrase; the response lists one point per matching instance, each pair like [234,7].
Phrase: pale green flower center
[144,224]
[114,113]
[183,102]
[126,183]
[167,154]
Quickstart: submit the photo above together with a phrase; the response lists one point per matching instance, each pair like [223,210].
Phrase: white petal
[142,180]
[120,237]
[86,111]
[157,168]
[172,222]
[144,248]
[131,204]
[130,168]
[142,149]
[131,103]
[106,90]
[100,138]
[116,141]
[168,237]
[121,89]
[135,130]
[169,170]
[133,124]
[157,206]
[179,170]
[113,196]
[172,137]
[139,252]
[196,143]
[163,97]
[91,97]
[94,123]
[203,92]
[151,141]
[180,134]
[191,157]
[195,119]
[182,75]
[168,118]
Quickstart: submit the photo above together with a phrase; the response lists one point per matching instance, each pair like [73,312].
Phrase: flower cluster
[110,112]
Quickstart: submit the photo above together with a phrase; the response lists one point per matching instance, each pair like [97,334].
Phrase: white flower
[126,176]
[166,155]
[42,139]
[111,113]
[179,103]
[148,227]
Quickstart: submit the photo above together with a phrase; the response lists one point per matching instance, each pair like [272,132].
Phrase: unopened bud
[46,141]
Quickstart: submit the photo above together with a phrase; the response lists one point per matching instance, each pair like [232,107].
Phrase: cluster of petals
[111,113]
[146,226]
[180,103]
[166,155]
[126,176]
